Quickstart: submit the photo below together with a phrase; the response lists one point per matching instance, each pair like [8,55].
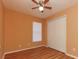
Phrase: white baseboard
[20,50]
[66,53]
[33,48]
[71,55]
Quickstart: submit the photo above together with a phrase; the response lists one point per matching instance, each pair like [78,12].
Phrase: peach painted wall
[72,31]
[18,31]
[72,28]
[1,29]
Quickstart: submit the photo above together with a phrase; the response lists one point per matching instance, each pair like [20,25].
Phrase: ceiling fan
[41,5]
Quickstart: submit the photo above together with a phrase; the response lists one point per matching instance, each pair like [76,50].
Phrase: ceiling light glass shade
[41,8]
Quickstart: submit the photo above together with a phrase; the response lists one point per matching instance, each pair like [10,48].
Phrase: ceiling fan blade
[35,1]
[46,1]
[48,7]
[35,7]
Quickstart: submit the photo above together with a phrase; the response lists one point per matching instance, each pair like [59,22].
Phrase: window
[37,31]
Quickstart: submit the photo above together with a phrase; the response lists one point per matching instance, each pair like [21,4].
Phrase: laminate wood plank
[38,53]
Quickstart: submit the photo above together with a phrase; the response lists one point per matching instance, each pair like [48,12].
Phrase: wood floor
[38,53]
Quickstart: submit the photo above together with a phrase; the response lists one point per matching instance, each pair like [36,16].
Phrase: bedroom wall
[1,29]
[18,31]
[72,28]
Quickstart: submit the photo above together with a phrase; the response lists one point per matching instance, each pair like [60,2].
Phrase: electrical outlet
[72,51]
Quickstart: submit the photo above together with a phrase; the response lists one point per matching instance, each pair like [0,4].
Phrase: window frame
[37,32]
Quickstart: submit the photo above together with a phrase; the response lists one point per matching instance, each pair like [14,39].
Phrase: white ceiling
[25,6]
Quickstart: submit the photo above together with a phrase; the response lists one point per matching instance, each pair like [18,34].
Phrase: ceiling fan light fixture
[41,5]
[41,8]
